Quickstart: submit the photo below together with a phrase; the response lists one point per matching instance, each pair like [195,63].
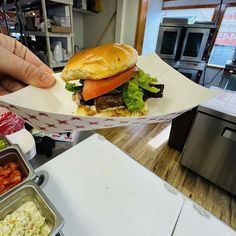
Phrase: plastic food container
[12,128]
[31,192]
[13,154]
[25,140]
[28,190]
[3,143]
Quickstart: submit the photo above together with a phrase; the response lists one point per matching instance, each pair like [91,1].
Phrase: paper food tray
[52,110]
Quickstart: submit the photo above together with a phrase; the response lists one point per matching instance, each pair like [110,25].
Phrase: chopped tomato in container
[10,176]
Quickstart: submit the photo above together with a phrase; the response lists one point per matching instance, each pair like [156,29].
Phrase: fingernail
[48,79]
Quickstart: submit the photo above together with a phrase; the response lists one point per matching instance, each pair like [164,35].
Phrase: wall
[127,15]
[100,28]
[152,26]
[78,27]
[116,23]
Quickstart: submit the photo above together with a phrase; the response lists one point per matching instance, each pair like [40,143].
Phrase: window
[225,43]
[197,14]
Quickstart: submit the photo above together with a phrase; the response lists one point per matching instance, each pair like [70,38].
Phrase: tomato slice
[95,88]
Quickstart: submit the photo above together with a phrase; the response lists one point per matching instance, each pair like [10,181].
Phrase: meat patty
[107,101]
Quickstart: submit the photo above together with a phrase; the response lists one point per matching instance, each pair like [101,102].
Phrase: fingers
[3,91]
[23,52]
[24,71]
[11,85]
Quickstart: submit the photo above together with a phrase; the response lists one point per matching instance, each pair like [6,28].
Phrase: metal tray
[13,153]
[31,192]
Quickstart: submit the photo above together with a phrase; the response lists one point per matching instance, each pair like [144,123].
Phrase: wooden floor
[165,162]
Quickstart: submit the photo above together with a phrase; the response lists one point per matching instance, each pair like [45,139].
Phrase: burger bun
[84,110]
[100,62]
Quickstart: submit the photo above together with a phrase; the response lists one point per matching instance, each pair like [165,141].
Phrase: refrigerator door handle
[229,134]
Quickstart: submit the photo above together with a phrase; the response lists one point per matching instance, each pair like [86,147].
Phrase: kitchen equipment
[228,77]
[80,4]
[189,42]
[178,20]
[58,52]
[76,48]
[13,154]
[180,128]
[234,56]
[211,145]
[66,55]
[192,70]
[50,56]
[30,23]
[42,55]
[60,25]
[62,21]
[28,190]
[60,29]
[186,47]
[31,192]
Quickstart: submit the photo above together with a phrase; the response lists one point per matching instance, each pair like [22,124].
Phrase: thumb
[24,71]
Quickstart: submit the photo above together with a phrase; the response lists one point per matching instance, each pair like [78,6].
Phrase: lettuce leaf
[133,96]
[132,92]
[145,81]
[73,87]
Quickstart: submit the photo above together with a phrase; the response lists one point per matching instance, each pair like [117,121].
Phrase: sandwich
[105,81]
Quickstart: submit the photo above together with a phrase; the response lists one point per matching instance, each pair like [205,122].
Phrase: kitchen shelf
[50,34]
[23,6]
[32,2]
[59,64]
[9,7]
[65,2]
[14,30]
[30,5]
[84,11]
[35,33]
[50,37]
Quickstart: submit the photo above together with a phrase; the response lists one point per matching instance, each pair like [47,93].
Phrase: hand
[19,67]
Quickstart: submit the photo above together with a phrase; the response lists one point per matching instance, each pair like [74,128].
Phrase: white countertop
[195,221]
[224,102]
[101,191]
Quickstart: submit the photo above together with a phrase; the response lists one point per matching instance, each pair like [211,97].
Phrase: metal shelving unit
[49,34]
[9,7]
[84,11]
[24,6]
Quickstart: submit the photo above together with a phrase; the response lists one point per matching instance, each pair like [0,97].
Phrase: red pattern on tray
[53,123]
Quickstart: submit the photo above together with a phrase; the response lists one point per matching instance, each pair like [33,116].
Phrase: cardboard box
[60,29]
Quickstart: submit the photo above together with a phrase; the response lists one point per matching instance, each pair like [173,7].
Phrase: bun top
[100,62]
